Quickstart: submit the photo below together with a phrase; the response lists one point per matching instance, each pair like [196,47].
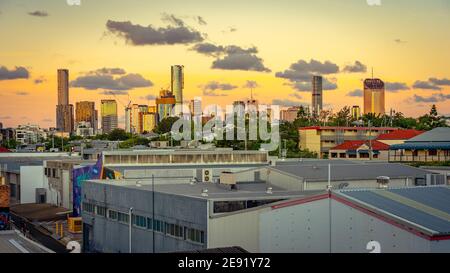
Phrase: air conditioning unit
[207,175]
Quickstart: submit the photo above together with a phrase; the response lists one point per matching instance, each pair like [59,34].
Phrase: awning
[421,146]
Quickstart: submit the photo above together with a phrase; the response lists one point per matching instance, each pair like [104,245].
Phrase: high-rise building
[64,110]
[374,96]
[195,107]
[317,100]
[165,104]
[356,112]
[148,122]
[108,112]
[134,118]
[290,114]
[177,82]
[85,112]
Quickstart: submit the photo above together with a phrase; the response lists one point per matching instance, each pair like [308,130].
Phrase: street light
[130,213]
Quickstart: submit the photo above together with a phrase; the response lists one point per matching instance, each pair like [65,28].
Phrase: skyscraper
[165,104]
[177,82]
[85,112]
[64,110]
[356,112]
[374,96]
[317,101]
[108,112]
[195,107]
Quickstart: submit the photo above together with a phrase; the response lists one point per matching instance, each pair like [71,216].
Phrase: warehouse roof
[339,172]
[440,134]
[12,242]
[426,209]
[400,135]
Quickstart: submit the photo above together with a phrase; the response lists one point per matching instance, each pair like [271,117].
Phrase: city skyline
[279,46]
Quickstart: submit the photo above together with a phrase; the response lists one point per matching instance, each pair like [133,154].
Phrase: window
[123,217]
[174,230]
[228,206]
[112,214]
[432,152]
[139,221]
[342,155]
[333,155]
[195,235]
[88,207]
[149,223]
[158,226]
[101,211]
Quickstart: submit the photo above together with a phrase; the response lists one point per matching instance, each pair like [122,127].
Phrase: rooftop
[215,191]
[426,209]
[440,134]
[340,172]
[400,135]
[355,144]
[13,242]
[348,128]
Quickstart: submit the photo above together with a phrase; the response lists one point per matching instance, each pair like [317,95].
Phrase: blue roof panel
[429,221]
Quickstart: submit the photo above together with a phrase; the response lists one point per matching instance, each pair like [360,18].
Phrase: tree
[118,134]
[431,120]
[165,125]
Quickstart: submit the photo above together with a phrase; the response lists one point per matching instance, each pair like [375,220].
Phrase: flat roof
[319,172]
[424,208]
[216,191]
[13,242]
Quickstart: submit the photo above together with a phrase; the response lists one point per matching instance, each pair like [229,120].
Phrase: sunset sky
[225,46]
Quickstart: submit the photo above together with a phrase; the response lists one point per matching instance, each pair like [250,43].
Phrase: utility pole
[153,211]
[130,213]
[370,141]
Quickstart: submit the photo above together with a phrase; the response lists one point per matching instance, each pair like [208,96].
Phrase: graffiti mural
[78,177]
[4,219]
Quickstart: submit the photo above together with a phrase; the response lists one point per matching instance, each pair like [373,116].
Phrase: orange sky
[405,42]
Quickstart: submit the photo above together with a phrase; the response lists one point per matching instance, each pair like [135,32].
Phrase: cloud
[425,85]
[40,80]
[286,102]
[297,96]
[399,41]
[306,86]
[5,117]
[355,93]
[22,93]
[18,72]
[114,92]
[38,13]
[232,57]
[47,120]
[301,73]
[437,97]
[201,21]
[211,88]
[240,61]
[148,97]
[177,33]
[440,82]
[250,84]
[110,71]
[94,80]
[357,67]
[172,19]
[396,86]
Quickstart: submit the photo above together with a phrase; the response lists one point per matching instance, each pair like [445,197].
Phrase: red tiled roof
[355,144]
[400,134]
[4,150]
[347,128]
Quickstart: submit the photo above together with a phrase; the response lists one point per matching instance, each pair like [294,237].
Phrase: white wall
[65,189]
[31,178]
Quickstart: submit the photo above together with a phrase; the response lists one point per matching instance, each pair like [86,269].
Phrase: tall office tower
[317,100]
[85,112]
[177,83]
[356,112]
[165,104]
[152,109]
[128,119]
[148,122]
[374,96]
[195,107]
[108,112]
[64,110]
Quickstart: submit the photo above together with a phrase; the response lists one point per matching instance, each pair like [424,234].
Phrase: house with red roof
[360,149]
[399,136]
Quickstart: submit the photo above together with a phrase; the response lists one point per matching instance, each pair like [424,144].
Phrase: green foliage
[165,126]
[119,134]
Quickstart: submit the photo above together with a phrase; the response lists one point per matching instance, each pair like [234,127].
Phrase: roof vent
[138,184]
[383,182]
[205,192]
[269,190]
[193,180]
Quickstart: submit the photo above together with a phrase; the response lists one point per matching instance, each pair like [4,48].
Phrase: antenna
[372,72]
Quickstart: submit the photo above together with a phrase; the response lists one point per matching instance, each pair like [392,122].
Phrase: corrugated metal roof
[421,207]
[440,134]
[341,172]
[421,146]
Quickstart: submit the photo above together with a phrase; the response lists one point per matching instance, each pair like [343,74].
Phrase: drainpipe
[130,213]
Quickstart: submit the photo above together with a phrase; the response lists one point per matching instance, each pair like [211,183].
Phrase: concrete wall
[235,229]
[31,178]
[112,236]
[296,229]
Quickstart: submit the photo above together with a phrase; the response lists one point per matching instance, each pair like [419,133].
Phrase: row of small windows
[174,230]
